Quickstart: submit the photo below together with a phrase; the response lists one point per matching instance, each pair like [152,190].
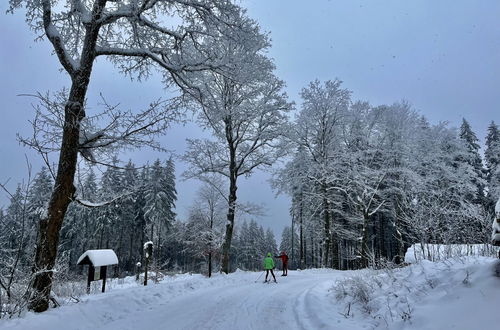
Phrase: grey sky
[441,56]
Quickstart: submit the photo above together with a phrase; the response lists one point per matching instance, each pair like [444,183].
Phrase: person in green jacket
[269,266]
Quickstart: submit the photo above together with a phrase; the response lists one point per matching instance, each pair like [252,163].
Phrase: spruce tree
[271,245]
[38,198]
[492,160]
[159,203]
[473,158]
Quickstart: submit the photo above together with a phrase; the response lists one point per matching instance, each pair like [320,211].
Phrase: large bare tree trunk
[209,264]
[292,259]
[63,192]
[335,252]
[301,238]
[233,176]
[49,227]
[366,252]
[313,251]
[211,243]
[326,219]
[229,226]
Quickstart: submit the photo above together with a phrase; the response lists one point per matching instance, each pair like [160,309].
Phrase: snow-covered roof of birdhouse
[98,258]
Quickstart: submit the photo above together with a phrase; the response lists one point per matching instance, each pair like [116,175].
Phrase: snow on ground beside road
[466,296]
[437,252]
[460,293]
[455,294]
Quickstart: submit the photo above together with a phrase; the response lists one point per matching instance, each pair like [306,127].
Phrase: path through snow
[441,296]
[290,304]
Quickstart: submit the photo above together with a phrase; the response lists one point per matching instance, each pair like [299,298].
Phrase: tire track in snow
[306,306]
[224,303]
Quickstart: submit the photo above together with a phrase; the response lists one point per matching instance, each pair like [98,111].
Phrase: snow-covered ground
[438,252]
[461,293]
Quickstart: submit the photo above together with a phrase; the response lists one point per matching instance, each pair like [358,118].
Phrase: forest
[365,181]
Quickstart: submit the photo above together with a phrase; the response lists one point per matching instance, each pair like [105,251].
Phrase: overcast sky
[441,56]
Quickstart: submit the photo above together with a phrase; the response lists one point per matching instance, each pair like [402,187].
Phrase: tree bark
[211,243]
[301,229]
[335,252]
[233,176]
[209,264]
[313,252]
[49,228]
[230,223]
[292,260]
[365,247]
[64,189]
[326,219]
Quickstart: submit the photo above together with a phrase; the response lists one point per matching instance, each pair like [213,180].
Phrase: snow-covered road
[427,295]
[235,301]
[293,303]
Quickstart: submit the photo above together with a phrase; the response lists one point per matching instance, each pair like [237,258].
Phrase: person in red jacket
[284,261]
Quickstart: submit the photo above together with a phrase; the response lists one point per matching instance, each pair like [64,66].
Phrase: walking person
[269,266]
[284,262]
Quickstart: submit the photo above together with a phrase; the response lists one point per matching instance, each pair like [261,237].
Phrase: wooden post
[103,276]
[90,278]
[210,264]
[138,271]
[146,272]
[148,249]
[293,236]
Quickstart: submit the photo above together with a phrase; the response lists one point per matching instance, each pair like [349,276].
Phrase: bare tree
[134,34]
[245,109]
[14,237]
[318,133]
[206,222]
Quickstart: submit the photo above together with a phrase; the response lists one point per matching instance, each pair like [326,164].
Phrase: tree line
[139,207]
[366,181]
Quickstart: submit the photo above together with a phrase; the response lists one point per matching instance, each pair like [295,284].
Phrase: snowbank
[427,295]
[437,252]
[424,296]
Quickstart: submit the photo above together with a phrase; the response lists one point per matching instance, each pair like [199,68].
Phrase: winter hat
[269,254]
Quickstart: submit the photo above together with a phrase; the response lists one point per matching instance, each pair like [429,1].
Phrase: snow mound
[424,296]
[98,258]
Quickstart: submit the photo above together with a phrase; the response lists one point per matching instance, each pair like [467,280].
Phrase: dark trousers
[285,268]
[272,273]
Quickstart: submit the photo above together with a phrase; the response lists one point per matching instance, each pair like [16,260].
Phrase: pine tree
[14,227]
[271,245]
[38,198]
[109,216]
[473,158]
[85,225]
[286,244]
[492,159]
[40,191]
[244,246]
[159,203]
